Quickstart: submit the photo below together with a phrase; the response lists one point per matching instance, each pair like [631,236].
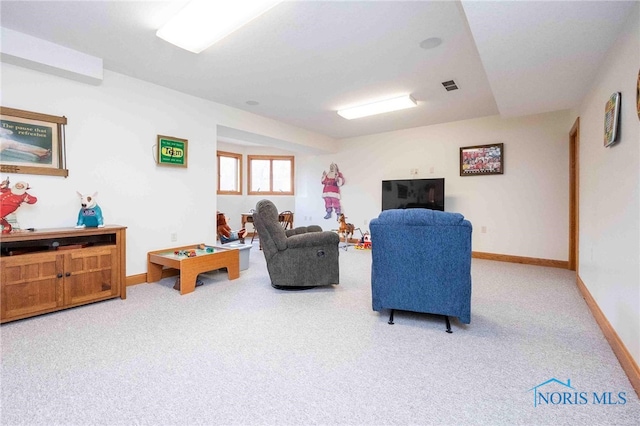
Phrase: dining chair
[286,219]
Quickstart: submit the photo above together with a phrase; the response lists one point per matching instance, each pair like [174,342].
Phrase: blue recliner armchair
[421,262]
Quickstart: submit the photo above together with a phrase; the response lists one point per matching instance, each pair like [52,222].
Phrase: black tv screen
[413,193]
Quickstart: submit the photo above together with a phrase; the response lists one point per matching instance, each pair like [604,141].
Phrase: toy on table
[192,252]
[225,233]
[90,214]
[206,248]
[11,199]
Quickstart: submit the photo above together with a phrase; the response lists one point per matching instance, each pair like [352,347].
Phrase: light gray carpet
[241,352]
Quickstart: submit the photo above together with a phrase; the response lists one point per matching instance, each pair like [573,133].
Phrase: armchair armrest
[313,239]
[302,230]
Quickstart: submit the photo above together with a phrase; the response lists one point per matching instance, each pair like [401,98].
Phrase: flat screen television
[413,193]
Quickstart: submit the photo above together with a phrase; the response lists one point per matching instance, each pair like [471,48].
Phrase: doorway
[574,194]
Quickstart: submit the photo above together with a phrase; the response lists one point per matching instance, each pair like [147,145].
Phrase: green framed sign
[172,151]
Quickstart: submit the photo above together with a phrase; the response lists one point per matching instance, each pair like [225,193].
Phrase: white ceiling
[303,60]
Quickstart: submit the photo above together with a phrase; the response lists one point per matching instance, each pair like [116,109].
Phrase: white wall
[110,136]
[609,258]
[525,210]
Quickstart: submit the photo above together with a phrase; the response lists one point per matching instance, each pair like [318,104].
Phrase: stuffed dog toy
[90,214]
[225,233]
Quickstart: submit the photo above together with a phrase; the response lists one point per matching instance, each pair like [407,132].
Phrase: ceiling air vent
[450,85]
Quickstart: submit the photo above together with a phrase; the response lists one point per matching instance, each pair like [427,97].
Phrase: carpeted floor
[241,352]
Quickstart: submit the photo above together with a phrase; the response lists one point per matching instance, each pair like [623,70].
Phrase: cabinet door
[31,283]
[90,274]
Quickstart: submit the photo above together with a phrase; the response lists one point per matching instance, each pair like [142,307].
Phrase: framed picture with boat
[32,143]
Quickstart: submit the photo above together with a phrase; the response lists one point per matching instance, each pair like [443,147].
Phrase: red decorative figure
[11,199]
[332,182]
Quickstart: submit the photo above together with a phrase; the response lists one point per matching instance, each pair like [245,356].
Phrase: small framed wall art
[172,151]
[482,160]
[611,119]
[32,143]
[638,95]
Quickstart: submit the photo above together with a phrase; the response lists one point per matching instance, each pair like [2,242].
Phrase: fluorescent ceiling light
[202,23]
[394,104]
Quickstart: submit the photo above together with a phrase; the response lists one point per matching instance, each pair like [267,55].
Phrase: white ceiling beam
[40,55]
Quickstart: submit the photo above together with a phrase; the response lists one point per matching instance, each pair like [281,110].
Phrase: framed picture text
[172,151]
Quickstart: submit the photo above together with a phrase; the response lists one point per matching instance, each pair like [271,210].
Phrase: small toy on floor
[346,229]
[365,242]
[176,286]
[225,233]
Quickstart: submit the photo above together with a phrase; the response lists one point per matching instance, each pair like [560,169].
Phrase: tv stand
[52,269]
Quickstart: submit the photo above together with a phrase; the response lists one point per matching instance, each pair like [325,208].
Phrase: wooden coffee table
[190,267]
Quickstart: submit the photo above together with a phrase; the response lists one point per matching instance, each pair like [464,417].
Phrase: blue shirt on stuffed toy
[90,217]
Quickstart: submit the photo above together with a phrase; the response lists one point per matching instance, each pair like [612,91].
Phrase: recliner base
[292,287]
[446,319]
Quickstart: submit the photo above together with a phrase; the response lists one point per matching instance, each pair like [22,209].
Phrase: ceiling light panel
[379,107]
[202,23]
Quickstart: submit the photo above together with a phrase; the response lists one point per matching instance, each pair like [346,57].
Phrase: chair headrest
[420,217]
[272,235]
[266,209]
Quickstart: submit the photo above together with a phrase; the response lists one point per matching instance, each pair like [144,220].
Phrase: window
[229,173]
[271,175]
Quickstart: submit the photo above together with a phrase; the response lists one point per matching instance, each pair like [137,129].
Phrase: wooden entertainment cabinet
[52,269]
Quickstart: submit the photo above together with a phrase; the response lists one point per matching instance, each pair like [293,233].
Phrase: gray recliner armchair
[298,258]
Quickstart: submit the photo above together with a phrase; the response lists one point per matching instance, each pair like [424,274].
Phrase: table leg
[233,270]
[187,281]
[154,272]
